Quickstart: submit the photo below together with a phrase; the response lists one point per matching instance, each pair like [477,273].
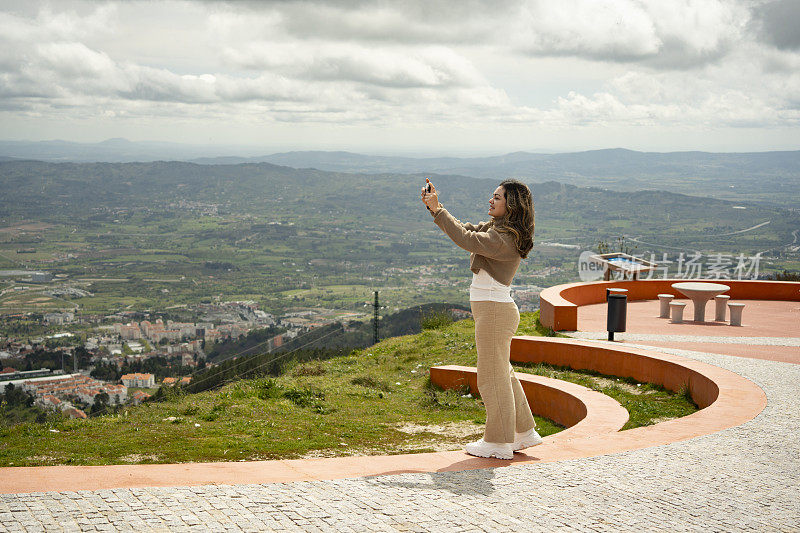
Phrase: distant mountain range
[109,151]
[758,176]
[614,163]
[540,166]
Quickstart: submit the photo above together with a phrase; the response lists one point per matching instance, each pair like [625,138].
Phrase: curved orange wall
[559,304]
[549,402]
[615,361]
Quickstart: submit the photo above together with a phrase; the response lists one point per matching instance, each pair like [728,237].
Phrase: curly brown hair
[519,217]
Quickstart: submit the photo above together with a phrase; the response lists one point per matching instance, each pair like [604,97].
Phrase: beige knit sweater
[490,249]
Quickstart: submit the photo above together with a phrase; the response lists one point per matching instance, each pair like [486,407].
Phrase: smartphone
[426,189]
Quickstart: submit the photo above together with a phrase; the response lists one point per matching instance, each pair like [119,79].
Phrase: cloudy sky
[427,77]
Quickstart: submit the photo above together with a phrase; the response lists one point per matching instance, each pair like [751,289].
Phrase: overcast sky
[427,77]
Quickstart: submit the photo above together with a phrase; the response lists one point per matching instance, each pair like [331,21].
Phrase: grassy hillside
[376,400]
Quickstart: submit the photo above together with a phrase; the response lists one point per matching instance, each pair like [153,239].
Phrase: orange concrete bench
[582,411]
[670,372]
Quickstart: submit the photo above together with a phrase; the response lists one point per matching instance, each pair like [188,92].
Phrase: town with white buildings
[121,341]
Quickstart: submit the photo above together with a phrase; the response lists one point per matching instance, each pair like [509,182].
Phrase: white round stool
[676,310]
[721,301]
[664,300]
[736,313]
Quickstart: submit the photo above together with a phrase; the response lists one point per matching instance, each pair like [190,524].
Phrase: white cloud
[408,22]
[73,60]
[598,30]
[683,63]
[661,34]
[390,67]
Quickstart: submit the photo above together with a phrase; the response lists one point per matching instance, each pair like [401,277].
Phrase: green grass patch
[646,403]
[435,320]
[529,325]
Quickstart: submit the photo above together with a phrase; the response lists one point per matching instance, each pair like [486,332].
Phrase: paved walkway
[743,478]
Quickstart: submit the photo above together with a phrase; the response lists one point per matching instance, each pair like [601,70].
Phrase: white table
[700,293]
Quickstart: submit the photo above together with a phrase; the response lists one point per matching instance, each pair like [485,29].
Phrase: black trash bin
[617,311]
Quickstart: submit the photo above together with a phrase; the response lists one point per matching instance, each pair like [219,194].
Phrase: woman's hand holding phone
[430,197]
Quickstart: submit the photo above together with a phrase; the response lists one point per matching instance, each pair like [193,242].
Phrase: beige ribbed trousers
[507,409]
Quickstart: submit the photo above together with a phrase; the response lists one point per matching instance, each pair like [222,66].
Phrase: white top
[700,286]
[698,290]
[485,288]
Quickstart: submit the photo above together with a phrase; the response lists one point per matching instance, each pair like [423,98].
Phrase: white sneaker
[500,450]
[526,440]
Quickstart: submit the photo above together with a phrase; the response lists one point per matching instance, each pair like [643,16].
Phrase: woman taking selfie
[496,249]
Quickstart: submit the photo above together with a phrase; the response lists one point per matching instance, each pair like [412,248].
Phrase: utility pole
[375,321]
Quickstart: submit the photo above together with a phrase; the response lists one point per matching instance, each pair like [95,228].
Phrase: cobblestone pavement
[740,479]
